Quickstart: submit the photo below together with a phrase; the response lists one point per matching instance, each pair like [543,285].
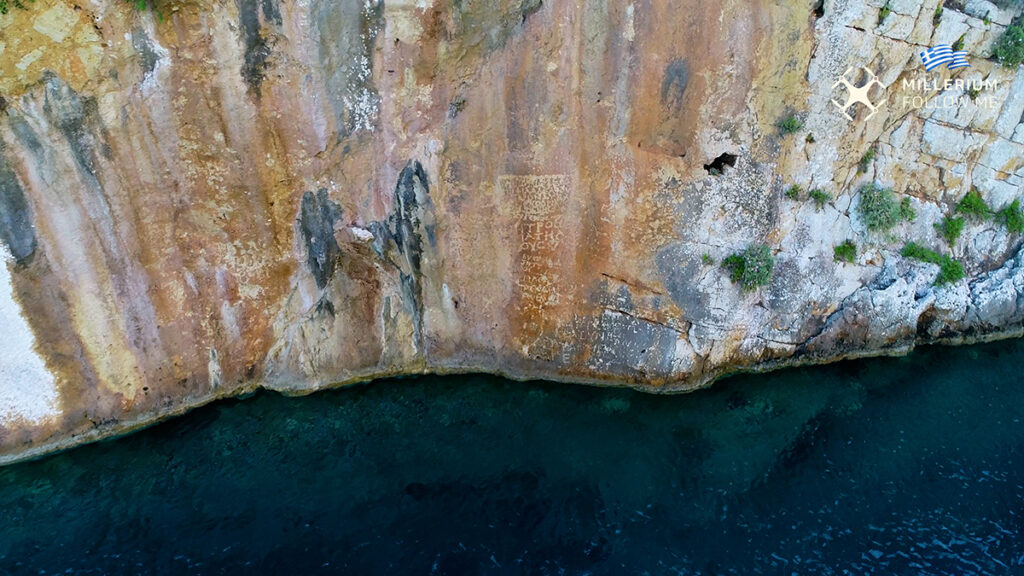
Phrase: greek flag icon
[944,54]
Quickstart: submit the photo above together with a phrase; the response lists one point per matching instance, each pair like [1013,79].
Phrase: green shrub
[793,192]
[5,5]
[790,124]
[959,44]
[918,252]
[907,210]
[820,198]
[878,208]
[974,206]
[752,267]
[949,270]
[884,13]
[1009,50]
[1012,218]
[937,17]
[865,161]
[846,252]
[707,259]
[951,227]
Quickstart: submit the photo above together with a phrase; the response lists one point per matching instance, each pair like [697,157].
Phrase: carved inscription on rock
[538,205]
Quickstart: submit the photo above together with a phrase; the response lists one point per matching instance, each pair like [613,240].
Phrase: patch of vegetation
[1009,50]
[846,252]
[907,210]
[707,259]
[1011,217]
[878,208]
[951,227]
[820,198]
[884,13]
[974,206]
[866,160]
[810,138]
[959,44]
[752,267]
[918,252]
[790,124]
[949,270]
[938,14]
[793,192]
[5,5]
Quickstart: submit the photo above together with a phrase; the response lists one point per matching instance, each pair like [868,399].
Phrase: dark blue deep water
[895,466]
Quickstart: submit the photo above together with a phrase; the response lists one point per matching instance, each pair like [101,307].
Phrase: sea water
[890,466]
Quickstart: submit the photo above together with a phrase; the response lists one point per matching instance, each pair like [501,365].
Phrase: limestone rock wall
[210,196]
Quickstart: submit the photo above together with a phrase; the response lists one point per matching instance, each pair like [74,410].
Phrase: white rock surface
[27,390]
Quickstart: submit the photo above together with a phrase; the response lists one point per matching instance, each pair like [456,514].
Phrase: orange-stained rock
[210,197]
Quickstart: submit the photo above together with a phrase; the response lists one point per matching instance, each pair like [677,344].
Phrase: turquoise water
[894,466]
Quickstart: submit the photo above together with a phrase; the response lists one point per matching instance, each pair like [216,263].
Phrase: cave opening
[718,165]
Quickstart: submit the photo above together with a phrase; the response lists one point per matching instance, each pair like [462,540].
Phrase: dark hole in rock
[924,322]
[819,8]
[718,165]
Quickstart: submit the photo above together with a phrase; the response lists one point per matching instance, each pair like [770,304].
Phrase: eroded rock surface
[207,197]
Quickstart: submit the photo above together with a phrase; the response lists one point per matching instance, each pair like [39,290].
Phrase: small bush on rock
[790,124]
[1009,50]
[752,267]
[866,160]
[959,44]
[918,252]
[5,5]
[878,208]
[1012,218]
[820,198]
[949,270]
[951,227]
[907,210]
[846,252]
[884,13]
[974,206]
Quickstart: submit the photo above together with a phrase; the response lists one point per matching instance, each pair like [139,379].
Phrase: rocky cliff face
[205,197]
